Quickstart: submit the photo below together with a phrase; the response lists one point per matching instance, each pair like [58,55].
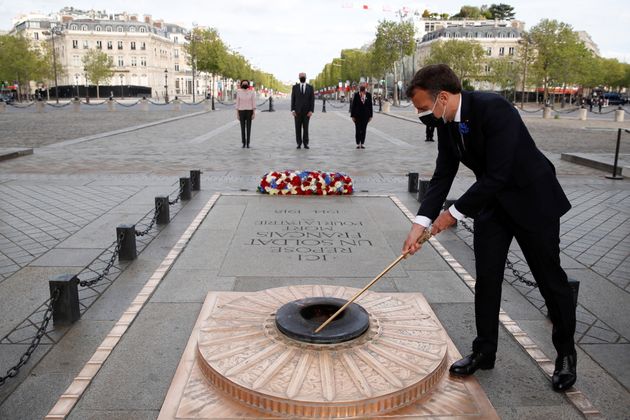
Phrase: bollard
[144,104]
[413,182]
[324,106]
[423,186]
[615,167]
[386,107]
[39,106]
[195,179]
[76,105]
[110,105]
[3,106]
[582,113]
[380,105]
[128,244]
[185,188]
[575,289]
[164,215]
[619,114]
[65,310]
[271,104]
[547,112]
[212,98]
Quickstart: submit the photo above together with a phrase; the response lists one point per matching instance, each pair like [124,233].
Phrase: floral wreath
[305,183]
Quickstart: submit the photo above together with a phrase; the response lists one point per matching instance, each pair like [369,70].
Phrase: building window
[143,45]
[75,44]
[36,35]
[176,66]
[76,60]
[134,61]
[489,51]
[143,61]
[142,29]
[501,50]
[487,68]
[110,45]
[98,28]
[176,53]
[133,45]
[99,45]
[74,27]
[84,27]
[108,28]
[119,28]
[511,51]
[120,45]
[176,40]
[488,34]
[132,29]
[85,44]
[121,61]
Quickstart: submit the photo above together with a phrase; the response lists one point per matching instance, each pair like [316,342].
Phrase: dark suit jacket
[359,110]
[511,171]
[302,103]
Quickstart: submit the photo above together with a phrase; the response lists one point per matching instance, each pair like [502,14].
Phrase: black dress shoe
[299,147]
[429,140]
[243,145]
[469,364]
[565,374]
[306,146]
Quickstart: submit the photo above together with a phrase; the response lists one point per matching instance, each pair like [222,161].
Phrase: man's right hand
[294,113]
[411,244]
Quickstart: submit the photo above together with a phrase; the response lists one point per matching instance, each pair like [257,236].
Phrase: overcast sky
[285,37]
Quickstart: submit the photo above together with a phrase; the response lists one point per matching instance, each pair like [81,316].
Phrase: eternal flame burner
[300,318]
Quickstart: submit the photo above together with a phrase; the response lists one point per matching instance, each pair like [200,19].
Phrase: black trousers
[245,117]
[301,128]
[360,130]
[494,231]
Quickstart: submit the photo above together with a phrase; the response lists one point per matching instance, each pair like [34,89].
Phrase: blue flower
[463,128]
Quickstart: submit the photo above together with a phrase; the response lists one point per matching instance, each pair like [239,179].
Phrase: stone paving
[61,204]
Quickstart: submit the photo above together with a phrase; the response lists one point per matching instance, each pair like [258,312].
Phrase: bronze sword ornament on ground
[425,237]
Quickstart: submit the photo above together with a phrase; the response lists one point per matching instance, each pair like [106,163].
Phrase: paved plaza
[94,170]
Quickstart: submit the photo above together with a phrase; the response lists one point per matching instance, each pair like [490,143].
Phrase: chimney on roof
[133,18]
[148,19]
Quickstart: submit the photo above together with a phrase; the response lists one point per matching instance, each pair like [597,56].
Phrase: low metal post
[185,188]
[195,179]
[164,213]
[271,104]
[65,310]
[423,186]
[324,105]
[127,245]
[380,105]
[614,174]
[413,182]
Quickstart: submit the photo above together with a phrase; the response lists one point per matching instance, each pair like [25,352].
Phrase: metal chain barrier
[262,103]
[110,264]
[566,111]
[97,104]
[13,372]
[127,105]
[517,274]
[532,112]
[603,113]
[224,103]
[403,106]
[156,213]
[193,103]
[21,106]
[158,103]
[59,105]
[179,196]
[341,105]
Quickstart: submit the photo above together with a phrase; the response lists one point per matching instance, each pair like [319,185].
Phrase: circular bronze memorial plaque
[377,367]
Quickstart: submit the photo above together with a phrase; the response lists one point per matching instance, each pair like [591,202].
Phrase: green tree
[505,73]
[560,56]
[464,57]
[49,62]
[210,52]
[393,41]
[354,65]
[469,12]
[99,67]
[501,12]
[19,62]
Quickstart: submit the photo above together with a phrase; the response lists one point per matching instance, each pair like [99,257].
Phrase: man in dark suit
[516,195]
[302,107]
[361,113]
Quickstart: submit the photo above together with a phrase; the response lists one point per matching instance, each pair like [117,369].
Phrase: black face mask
[431,120]
[244,85]
[362,89]
[303,79]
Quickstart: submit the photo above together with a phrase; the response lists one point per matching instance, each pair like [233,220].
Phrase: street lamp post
[166,85]
[122,93]
[76,82]
[87,94]
[54,31]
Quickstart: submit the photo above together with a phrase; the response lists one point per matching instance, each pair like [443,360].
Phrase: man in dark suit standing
[361,113]
[302,107]
[516,195]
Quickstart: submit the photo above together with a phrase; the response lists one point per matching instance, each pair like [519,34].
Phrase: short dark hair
[435,78]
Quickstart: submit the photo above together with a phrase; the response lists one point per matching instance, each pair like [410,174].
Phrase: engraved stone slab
[237,365]
[300,236]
